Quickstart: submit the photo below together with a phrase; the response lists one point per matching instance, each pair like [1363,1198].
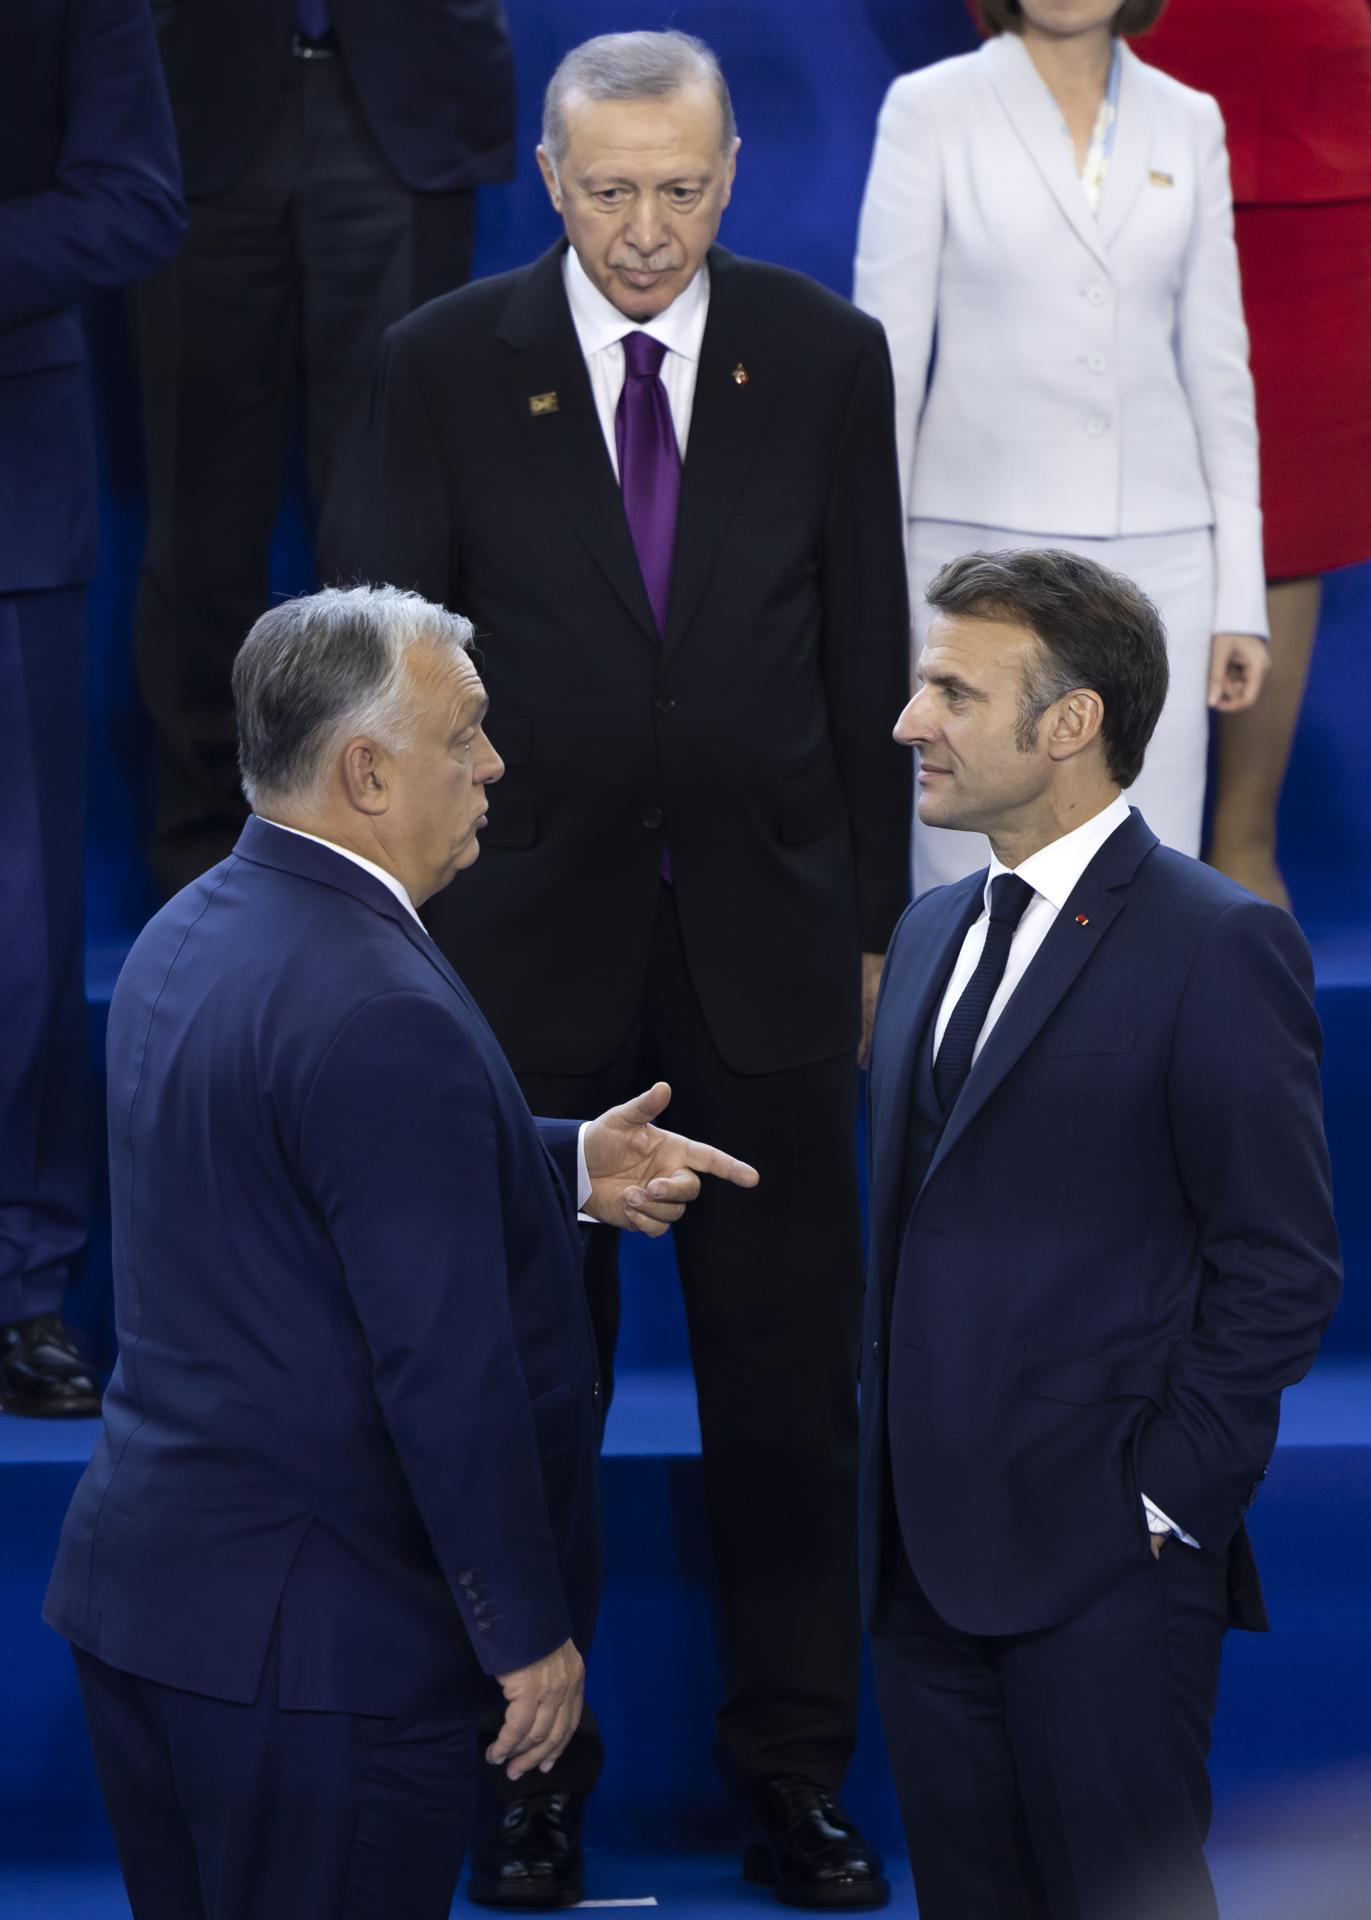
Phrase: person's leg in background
[1254,747]
[369,249]
[772,1287]
[216,336]
[43,1064]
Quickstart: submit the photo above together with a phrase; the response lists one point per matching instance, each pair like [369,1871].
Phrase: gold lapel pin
[542,403]
[740,375]
[1082,919]
[1161,179]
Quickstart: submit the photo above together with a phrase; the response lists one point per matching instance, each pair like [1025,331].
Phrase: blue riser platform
[1296,1708]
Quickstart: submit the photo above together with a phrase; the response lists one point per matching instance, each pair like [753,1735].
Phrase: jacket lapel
[1133,137]
[1036,119]
[564,434]
[1055,967]
[727,425]
[902,1020]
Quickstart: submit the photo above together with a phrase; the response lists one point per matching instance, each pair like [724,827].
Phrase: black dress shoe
[801,1844]
[43,1372]
[533,1858]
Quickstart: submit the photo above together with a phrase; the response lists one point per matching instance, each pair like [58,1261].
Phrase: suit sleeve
[1212,353]
[899,253]
[398,1148]
[1246,1116]
[114,212]
[404,528]
[866,644]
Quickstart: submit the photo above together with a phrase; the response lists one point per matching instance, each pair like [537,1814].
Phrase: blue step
[1293,1721]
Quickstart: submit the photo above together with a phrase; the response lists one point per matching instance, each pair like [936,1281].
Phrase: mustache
[654,263]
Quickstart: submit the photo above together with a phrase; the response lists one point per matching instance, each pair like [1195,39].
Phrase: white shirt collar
[599,323]
[1054,870]
[387,880]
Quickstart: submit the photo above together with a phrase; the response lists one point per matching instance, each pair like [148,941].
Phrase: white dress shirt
[392,885]
[600,328]
[1053,872]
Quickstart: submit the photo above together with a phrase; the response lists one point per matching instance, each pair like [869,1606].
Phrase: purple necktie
[649,466]
[312,18]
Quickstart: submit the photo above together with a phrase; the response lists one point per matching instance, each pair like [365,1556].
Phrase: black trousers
[1058,1775]
[44,1070]
[772,1285]
[294,271]
[228,1812]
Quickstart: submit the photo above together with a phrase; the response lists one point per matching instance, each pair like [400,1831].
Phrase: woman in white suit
[1047,236]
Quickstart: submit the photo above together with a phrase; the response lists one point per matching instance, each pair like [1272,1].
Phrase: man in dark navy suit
[347,1478]
[89,199]
[331,149]
[1102,1244]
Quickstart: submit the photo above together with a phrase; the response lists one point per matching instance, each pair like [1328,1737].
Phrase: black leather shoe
[801,1844]
[533,1858]
[43,1372]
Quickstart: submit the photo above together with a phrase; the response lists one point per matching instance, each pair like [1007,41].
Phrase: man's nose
[914,725]
[646,229]
[490,767]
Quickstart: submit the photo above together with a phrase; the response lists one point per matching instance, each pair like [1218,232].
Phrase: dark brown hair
[1094,628]
[1134,16]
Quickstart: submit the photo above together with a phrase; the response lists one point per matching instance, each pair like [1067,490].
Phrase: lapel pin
[1160,179]
[740,375]
[542,403]
[1082,919]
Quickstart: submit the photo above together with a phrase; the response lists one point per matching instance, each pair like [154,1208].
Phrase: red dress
[1293,78]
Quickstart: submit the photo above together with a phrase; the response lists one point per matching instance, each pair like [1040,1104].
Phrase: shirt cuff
[582,1178]
[1157,1522]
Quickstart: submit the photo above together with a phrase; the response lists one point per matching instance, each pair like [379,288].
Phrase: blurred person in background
[89,199]
[331,149]
[1293,78]
[1047,237]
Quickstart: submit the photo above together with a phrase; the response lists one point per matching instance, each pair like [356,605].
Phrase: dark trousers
[772,1284]
[43,1065]
[297,269]
[228,1812]
[1058,1775]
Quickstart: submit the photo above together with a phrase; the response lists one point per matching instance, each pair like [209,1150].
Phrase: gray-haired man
[662,481]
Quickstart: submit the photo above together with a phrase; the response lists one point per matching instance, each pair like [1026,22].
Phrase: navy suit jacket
[356,1382]
[1122,1251]
[90,198]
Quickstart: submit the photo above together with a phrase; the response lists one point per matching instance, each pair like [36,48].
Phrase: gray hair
[632,66]
[319,669]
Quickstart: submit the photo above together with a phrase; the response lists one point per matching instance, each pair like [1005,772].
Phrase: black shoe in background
[803,1846]
[43,1373]
[533,1859]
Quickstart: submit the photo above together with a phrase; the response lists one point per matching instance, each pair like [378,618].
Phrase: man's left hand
[871,986]
[1237,667]
[643,1179]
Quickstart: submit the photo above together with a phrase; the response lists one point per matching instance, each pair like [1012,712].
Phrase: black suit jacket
[752,739]
[435,79]
[1121,1252]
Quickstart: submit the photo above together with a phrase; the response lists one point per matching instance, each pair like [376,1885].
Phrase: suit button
[652,816]
[1096,425]
[875,1349]
[666,704]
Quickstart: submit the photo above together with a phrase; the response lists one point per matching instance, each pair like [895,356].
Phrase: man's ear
[550,180]
[1075,724]
[363,776]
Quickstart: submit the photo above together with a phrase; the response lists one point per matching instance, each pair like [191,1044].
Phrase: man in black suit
[331,149]
[662,481]
[1102,1243]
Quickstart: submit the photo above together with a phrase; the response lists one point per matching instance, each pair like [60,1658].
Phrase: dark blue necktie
[312,18]
[1008,897]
